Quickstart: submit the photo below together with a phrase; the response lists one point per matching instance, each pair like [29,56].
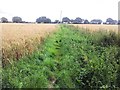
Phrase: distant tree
[71,20]
[43,20]
[48,20]
[96,21]
[86,22]
[77,20]
[104,23]
[17,19]
[56,21]
[119,22]
[40,19]
[4,20]
[115,22]
[99,21]
[65,20]
[111,21]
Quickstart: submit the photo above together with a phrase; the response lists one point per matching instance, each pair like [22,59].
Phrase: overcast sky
[29,10]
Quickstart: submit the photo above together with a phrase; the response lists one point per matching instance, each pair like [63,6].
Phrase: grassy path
[69,58]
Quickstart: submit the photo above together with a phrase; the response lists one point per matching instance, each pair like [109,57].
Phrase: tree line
[77,20]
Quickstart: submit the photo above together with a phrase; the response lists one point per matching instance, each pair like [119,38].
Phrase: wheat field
[95,27]
[22,39]
[18,32]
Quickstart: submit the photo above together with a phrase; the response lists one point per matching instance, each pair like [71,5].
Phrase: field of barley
[21,39]
[94,27]
[60,56]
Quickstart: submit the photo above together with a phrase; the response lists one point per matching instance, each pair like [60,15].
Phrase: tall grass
[69,58]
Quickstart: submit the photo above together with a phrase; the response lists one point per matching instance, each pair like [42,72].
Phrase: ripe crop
[22,39]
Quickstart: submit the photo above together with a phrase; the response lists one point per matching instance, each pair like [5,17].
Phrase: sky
[29,10]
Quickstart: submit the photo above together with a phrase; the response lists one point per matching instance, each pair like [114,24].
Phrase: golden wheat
[95,27]
[21,39]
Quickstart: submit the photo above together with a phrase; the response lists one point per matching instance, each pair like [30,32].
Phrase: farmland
[94,27]
[21,39]
[62,56]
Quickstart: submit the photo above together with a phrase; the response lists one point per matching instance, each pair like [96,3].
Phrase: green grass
[69,58]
